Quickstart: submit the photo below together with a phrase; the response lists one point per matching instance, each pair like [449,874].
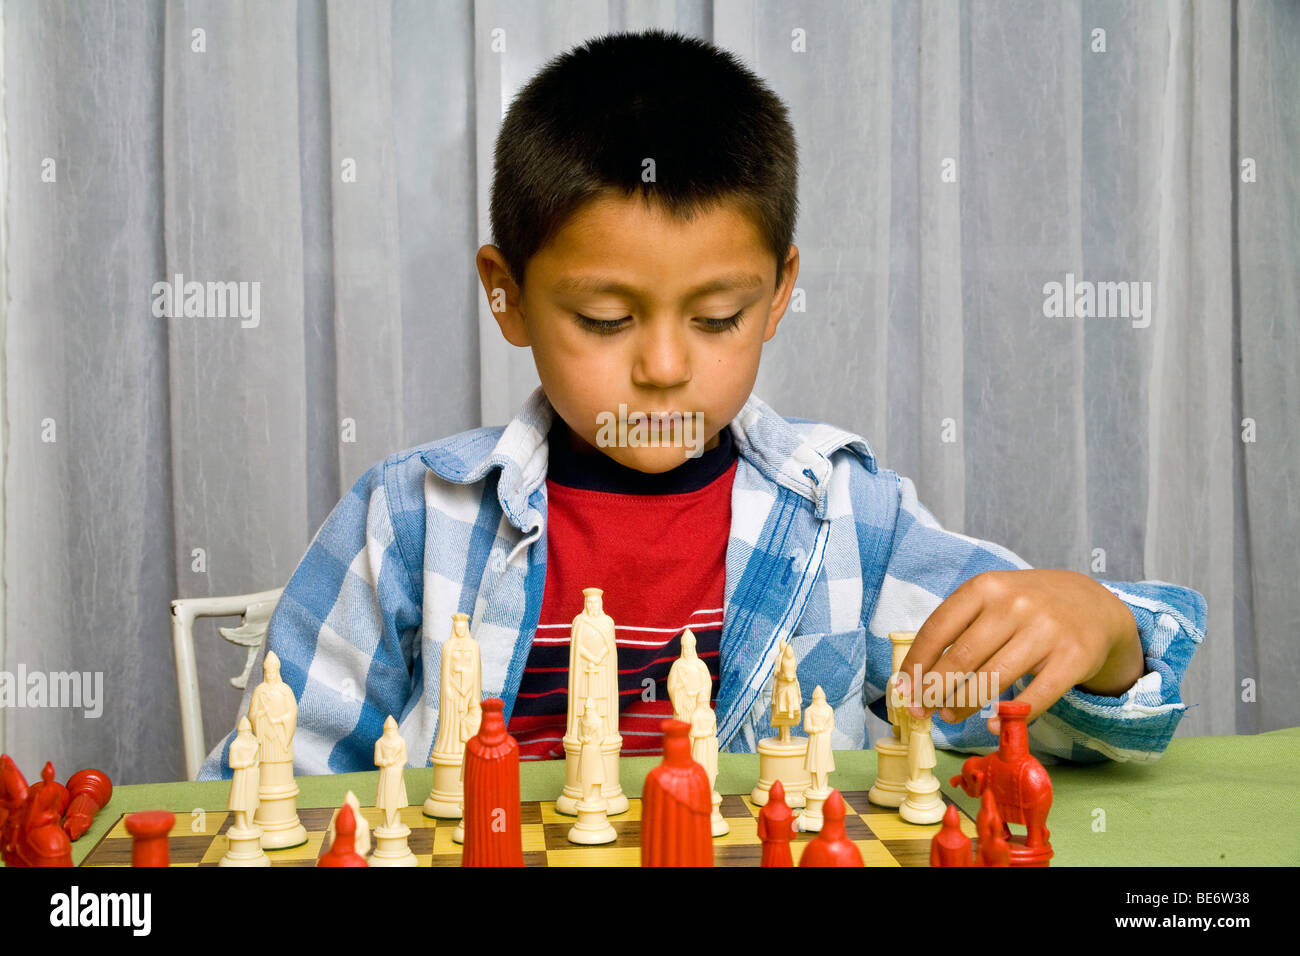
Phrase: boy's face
[661,342]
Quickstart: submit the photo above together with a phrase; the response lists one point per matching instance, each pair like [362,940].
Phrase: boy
[643,208]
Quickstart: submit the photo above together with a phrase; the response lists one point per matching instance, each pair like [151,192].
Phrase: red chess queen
[493,835]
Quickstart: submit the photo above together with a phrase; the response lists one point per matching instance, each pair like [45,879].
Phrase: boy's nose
[662,359]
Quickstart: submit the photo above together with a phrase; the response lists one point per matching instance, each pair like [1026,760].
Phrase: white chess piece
[688,680]
[891,751]
[818,723]
[361,840]
[593,672]
[273,714]
[593,826]
[244,837]
[458,710]
[782,757]
[390,836]
[923,804]
[704,751]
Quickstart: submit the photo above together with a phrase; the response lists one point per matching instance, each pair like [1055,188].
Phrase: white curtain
[955,159]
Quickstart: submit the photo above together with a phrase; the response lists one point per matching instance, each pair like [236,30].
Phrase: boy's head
[631,173]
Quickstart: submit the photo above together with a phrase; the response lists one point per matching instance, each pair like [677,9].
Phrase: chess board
[882,836]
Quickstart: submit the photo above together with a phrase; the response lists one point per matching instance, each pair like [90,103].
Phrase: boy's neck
[580,446]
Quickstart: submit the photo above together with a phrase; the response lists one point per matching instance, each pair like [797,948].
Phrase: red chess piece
[13,803]
[950,847]
[994,849]
[776,828]
[343,851]
[676,803]
[40,841]
[91,790]
[1020,786]
[149,830]
[832,847]
[493,835]
[58,798]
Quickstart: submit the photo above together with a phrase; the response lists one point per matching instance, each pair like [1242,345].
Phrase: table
[1209,801]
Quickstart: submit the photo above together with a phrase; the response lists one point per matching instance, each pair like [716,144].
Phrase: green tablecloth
[1209,801]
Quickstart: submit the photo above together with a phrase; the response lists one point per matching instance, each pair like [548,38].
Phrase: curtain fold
[323,168]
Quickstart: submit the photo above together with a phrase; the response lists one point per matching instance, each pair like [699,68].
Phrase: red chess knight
[1020,785]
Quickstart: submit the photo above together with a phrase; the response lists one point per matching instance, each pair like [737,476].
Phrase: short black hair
[583,125]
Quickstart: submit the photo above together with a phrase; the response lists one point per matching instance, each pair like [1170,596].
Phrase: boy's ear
[503,295]
[789,273]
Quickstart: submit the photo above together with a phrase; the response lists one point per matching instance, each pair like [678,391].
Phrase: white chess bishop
[273,715]
[459,715]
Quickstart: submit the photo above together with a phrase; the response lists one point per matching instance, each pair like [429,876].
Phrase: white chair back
[254,611]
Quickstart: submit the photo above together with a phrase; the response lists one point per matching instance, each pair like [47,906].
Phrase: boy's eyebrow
[732,281]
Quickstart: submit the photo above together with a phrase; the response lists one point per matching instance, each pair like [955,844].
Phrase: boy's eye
[608,326]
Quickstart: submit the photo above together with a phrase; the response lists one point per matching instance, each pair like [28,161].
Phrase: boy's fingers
[1048,686]
[971,652]
[1018,657]
[941,628]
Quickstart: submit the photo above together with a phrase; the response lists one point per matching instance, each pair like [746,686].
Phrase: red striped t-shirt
[657,546]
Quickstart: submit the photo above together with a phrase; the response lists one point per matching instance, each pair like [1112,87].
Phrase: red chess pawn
[91,790]
[343,850]
[831,846]
[1020,785]
[149,830]
[994,848]
[493,835]
[950,847]
[676,803]
[776,828]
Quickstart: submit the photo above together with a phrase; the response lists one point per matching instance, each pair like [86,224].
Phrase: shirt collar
[793,453]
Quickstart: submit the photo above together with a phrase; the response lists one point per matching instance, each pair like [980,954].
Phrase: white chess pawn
[818,722]
[244,836]
[593,826]
[361,839]
[390,836]
[923,803]
[704,751]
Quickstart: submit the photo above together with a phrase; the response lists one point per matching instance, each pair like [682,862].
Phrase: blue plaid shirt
[826,550]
